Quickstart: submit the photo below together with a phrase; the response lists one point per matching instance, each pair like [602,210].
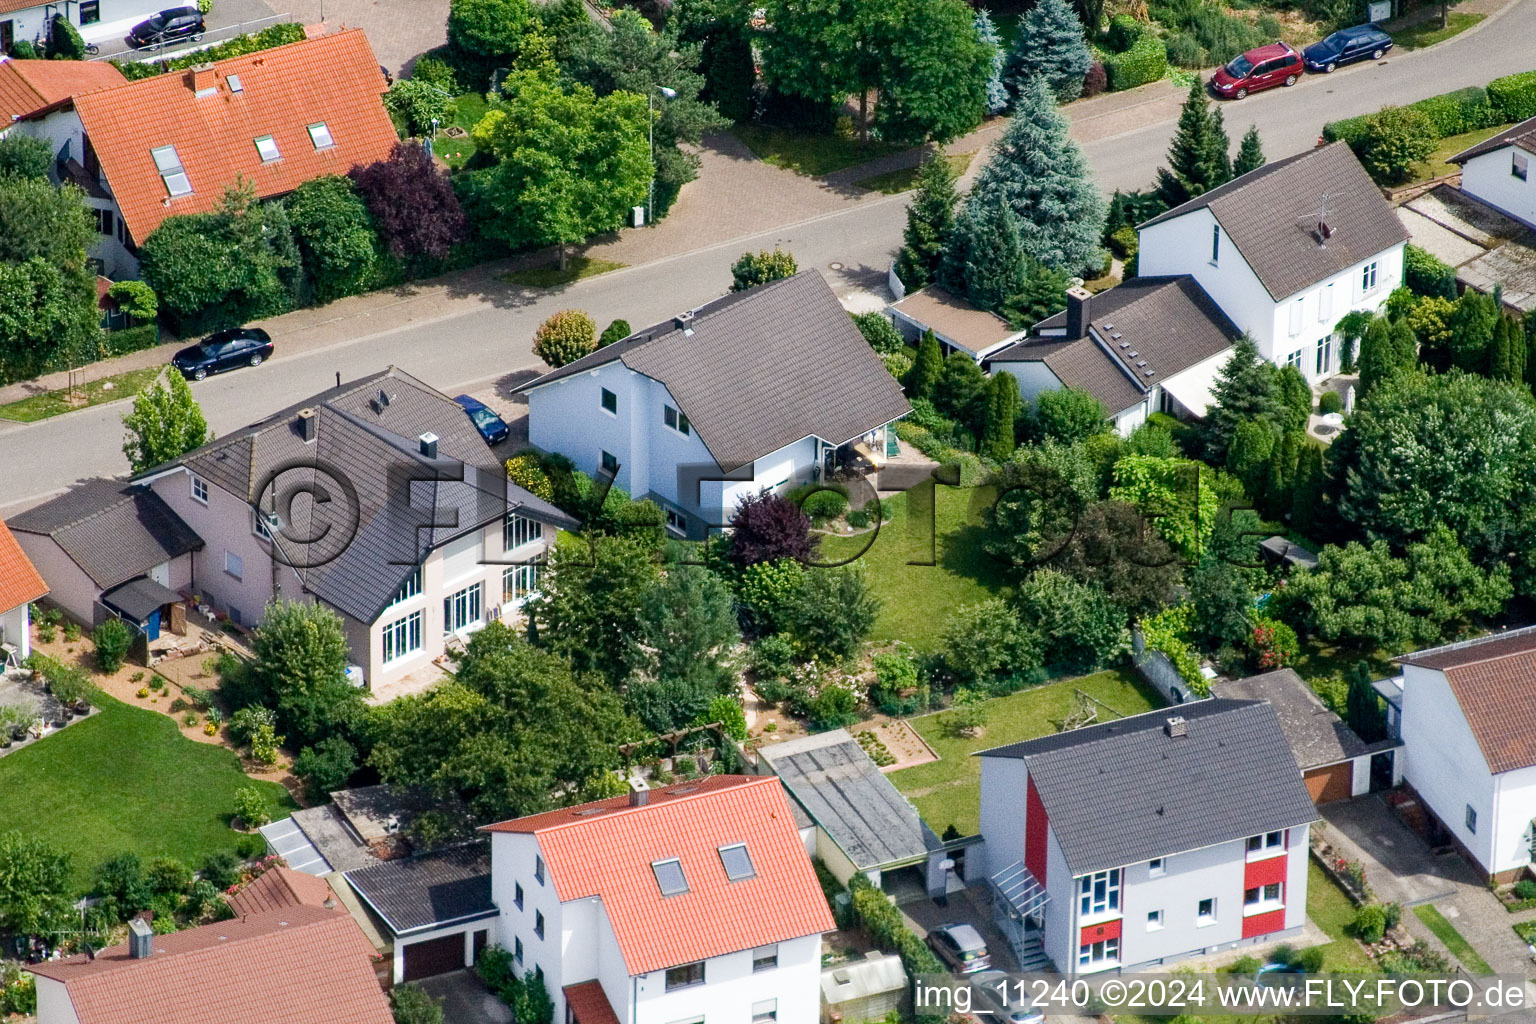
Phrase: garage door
[434,956]
[1329,784]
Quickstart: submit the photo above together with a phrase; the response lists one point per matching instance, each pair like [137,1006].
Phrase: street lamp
[650,108]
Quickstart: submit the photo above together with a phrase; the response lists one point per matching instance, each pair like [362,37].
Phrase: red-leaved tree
[416,209]
[767,528]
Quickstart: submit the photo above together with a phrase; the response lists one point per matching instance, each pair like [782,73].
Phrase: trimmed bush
[1350,130]
[1514,96]
[113,638]
[565,337]
[1146,61]
[527,471]
[273,35]
[1124,241]
[1185,51]
[129,339]
[1424,274]
[1124,31]
[1329,403]
[1096,80]
[1370,923]
[824,505]
[1525,889]
[1465,110]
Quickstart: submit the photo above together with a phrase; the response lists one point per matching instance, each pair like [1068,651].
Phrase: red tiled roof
[606,849]
[589,1004]
[19,580]
[278,888]
[27,86]
[298,965]
[332,79]
[1496,697]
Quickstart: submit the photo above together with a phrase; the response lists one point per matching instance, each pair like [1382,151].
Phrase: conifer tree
[1042,175]
[1003,401]
[1197,157]
[997,92]
[1378,355]
[985,261]
[1245,389]
[1049,44]
[1281,478]
[926,368]
[1362,705]
[1307,493]
[930,219]
[1250,153]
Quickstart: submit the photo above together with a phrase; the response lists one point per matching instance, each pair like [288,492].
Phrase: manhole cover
[834,266]
[1325,430]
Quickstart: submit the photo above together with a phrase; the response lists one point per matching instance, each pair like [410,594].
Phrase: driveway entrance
[465,1000]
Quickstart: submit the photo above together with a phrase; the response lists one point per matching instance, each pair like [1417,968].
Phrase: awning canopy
[1018,886]
[139,598]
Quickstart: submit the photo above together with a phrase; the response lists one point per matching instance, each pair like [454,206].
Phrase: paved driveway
[465,1000]
[399,30]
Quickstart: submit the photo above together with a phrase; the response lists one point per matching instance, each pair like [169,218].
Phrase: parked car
[492,427]
[1346,46]
[999,1000]
[961,947]
[1263,68]
[169,26]
[224,350]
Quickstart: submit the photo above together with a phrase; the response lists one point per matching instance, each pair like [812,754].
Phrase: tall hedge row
[1507,99]
[1515,95]
[1146,61]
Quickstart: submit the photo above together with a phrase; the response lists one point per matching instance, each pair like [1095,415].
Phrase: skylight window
[266,146]
[234,83]
[320,135]
[738,862]
[171,172]
[669,877]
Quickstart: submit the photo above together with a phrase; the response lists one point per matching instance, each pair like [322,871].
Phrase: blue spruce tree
[997,93]
[1049,44]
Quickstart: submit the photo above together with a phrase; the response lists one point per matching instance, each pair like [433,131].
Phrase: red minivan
[1276,64]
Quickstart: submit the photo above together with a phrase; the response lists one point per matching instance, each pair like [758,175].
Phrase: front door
[7,35]
[152,626]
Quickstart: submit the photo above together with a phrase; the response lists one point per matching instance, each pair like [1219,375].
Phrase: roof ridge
[1234,705]
[315,915]
[747,781]
[123,494]
[1472,644]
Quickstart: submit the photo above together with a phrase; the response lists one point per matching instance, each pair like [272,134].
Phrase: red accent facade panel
[1263,924]
[1099,932]
[1036,826]
[1265,872]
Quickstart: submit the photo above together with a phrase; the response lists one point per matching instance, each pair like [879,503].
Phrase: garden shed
[863,990]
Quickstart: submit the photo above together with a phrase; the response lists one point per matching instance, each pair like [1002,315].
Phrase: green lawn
[1447,933]
[895,182]
[805,153]
[1324,666]
[125,781]
[1439,163]
[917,599]
[945,792]
[576,268]
[52,403]
[1428,33]
[469,109]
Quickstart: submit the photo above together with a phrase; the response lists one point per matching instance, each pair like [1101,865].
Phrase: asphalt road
[491,343]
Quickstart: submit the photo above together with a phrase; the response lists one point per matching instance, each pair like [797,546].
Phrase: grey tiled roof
[762,368]
[1087,367]
[844,792]
[389,506]
[416,893]
[1317,736]
[1271,215]
[1123,792]
[113,530]
[1522,135]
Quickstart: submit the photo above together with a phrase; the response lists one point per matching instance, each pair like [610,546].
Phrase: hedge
[273,35]
[878,916]
[1146,61]
[1426,275]
[130,339]
[1514,96]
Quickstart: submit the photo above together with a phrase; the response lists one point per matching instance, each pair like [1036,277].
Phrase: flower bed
[1347,874]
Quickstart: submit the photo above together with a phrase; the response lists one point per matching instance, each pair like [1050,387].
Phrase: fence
[1157,669]
[211,38]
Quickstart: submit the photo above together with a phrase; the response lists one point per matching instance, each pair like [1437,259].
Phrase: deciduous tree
[34,885]
[337,242]
[300,661]
[165,422]
[767,527]
[414,207]
[588,608]
[22,156]
[1083,629]
[1070,414]
[48,311]
[488,28]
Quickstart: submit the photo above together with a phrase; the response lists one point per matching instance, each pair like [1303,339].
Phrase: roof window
[320,135]
[669,876]
[171,172]
[234,83]
[737,862]
[266,146]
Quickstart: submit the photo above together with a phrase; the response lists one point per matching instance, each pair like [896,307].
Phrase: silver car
[997,1000]
[961,947]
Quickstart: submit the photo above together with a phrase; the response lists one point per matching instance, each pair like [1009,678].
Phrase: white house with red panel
[1144,840]
[690,904]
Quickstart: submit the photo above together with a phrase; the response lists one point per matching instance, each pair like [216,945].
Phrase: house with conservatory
[1141,841]
[761,389]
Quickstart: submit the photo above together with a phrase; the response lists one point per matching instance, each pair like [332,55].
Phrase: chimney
[428,445]
[307,425]
[202,79]
[684,322]
[1176,727]
[141,939]
[639,793]
[1077,312]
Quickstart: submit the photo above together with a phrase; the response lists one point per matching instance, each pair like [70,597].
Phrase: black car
[224,350]
[1346,46]
[169,26]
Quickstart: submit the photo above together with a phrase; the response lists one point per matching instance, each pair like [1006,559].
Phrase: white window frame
[1157,867]
[517,894]
[1154,920]
[700,980]
[1098,894]
[172,173]
[1215,245]
[603,394]
[199,489]
[517,531]
[1369,278]
[259,525]
[1325,303]
[464,608]
[676,522]
[1266,845]
[1101,955]
[765,1011]
[409,590]
[538,923]
[320,135]
[676,420]
[1205,920]
[238,563]
[1294,359]
[403,637]
[1262,901]
[517,949]
[538,869]
[266,148]
[603,456]
[765,958]
[1323,357]
[519,582]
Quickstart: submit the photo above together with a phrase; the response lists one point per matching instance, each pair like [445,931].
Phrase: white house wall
[1444,763]
[53,1003]
[512,863]
[116,18]
[1490,177]
[1515,807]
[13,630]
[731,987]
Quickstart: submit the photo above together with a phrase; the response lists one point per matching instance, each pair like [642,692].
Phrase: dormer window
[669,876]
[168,163]
[737,862]
[266,148]
[320,135]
